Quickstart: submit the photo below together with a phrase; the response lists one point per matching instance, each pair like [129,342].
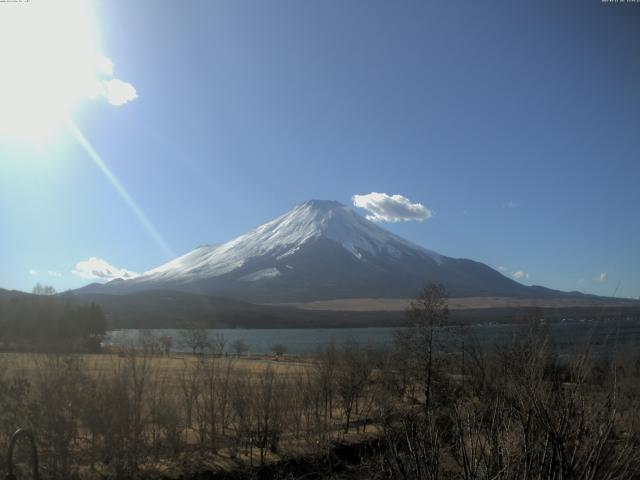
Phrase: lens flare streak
[131,203]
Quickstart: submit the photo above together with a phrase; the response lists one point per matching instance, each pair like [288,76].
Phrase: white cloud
[520,275]
[391,208]
[33,272]
[516,274]
[510,204]
[53,273]
[602,277]
[98,269]
[118,92]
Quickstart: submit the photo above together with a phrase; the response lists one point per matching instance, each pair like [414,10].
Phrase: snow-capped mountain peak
[284,236]
[319,250]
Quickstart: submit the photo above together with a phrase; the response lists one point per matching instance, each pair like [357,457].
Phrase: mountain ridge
[320,250]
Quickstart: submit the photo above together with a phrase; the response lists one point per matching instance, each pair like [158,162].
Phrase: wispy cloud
[52,273]
[391,208]
[516,274]
[510,204]
[602,277]
[98,269]
[520,275]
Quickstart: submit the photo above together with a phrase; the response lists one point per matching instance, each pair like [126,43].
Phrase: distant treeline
[171,309]
[47,322]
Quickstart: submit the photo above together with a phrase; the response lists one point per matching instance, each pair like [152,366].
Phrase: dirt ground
[460,303]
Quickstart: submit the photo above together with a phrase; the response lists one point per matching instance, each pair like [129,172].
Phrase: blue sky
[515,123]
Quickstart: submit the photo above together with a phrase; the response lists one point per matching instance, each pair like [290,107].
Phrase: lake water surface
[566,335]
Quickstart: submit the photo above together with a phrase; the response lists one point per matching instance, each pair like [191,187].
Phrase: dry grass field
[96,364]
[137,413]
[455,303]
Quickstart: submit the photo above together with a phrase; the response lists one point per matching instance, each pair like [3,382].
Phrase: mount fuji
[320,250]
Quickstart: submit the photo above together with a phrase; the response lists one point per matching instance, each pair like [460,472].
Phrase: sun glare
[49,62]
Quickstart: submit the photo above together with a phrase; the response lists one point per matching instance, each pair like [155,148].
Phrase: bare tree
[148,341]
[190,384]
[241,394]
[40,289]
[217,344]
[59,388]
[326,366]
[426,314]
[195,339]
[212,404]
[240,346]
[270,405]
[166,342]
[352,376]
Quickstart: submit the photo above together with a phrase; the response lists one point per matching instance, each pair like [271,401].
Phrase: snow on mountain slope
[260,275]
[319,250]
[283,237]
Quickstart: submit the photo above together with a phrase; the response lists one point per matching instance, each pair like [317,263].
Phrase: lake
[605,337]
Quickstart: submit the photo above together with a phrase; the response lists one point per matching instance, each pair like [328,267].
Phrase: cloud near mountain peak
[99,269]
[391,208]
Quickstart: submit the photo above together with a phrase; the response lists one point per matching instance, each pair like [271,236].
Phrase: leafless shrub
[166,343]
[216,344]
[15,392]
[55,410]
[194,339]
[351,378]
[411,448]
[240,346]
[270,404]
[326,368]
[243,414]
[119,415]
[212,401]
[190,385]
[148,342]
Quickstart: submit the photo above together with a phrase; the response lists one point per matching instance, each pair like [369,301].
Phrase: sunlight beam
[131,203]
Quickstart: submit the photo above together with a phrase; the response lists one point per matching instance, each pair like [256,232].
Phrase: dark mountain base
[161,309]
[321,250]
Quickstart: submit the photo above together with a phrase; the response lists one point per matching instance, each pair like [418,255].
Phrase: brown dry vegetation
[139,413]
[512,412]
